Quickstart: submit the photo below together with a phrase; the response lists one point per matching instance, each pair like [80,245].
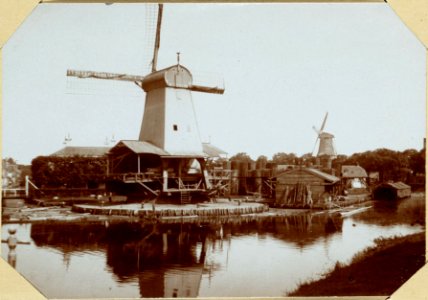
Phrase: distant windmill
[326,147]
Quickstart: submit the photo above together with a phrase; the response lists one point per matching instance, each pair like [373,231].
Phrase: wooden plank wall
[291,178]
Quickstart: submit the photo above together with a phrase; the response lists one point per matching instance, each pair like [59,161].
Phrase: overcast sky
[284,66]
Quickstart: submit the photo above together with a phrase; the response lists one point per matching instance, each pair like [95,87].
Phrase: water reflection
[170,259]
[11,241]
[248,256]
[403,211]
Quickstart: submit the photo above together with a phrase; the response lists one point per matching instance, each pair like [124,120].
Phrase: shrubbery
[68,172]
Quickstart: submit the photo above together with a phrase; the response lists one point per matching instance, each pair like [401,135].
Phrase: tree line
[77,172]
[390,164]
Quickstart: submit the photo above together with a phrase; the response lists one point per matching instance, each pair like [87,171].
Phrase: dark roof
[70,151]
[212,151]
[353,172]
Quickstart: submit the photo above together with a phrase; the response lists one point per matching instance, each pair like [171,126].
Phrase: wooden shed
[392,191]
[354,180]
[305,187]
[140,168]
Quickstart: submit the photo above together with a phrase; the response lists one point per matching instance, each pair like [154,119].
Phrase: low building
[139,168]
[354,180]
[305,187]
[392,191]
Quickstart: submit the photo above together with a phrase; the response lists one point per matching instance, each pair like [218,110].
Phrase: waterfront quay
[132,212]
[229,208]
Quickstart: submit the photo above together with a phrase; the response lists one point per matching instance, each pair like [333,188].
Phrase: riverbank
[380,270]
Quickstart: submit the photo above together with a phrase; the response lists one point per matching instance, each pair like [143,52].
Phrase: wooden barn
[392,191]
[305,187]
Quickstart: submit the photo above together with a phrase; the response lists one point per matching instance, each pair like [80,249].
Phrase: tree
[307,159]
[385,161]
[417,162]
[241,156]
[282,158]
[262,159]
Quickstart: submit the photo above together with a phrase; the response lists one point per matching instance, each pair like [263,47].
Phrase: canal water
[244,257]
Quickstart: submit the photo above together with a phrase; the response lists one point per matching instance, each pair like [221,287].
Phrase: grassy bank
[377,271]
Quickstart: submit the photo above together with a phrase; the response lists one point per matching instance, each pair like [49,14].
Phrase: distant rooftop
[70,151]
[353,172]
[213,151]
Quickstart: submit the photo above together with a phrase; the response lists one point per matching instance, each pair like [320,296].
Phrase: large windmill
[169,157]
[326,150]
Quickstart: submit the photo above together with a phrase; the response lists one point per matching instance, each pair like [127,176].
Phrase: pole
[27,187]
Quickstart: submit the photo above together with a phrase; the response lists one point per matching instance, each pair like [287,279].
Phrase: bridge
[20,192]
[14,193]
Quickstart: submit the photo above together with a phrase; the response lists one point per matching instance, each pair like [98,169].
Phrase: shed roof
[140,147]
[398,185]
[353,172]
[69,151]
[325,176]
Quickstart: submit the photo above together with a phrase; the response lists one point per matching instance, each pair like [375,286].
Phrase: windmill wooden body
[168,158]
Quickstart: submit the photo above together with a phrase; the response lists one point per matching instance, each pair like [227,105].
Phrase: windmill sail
[104,75]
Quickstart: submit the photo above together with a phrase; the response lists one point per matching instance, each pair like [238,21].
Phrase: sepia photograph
[184,150]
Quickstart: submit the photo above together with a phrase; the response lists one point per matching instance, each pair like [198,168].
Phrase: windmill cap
[175,76]
[326,135]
